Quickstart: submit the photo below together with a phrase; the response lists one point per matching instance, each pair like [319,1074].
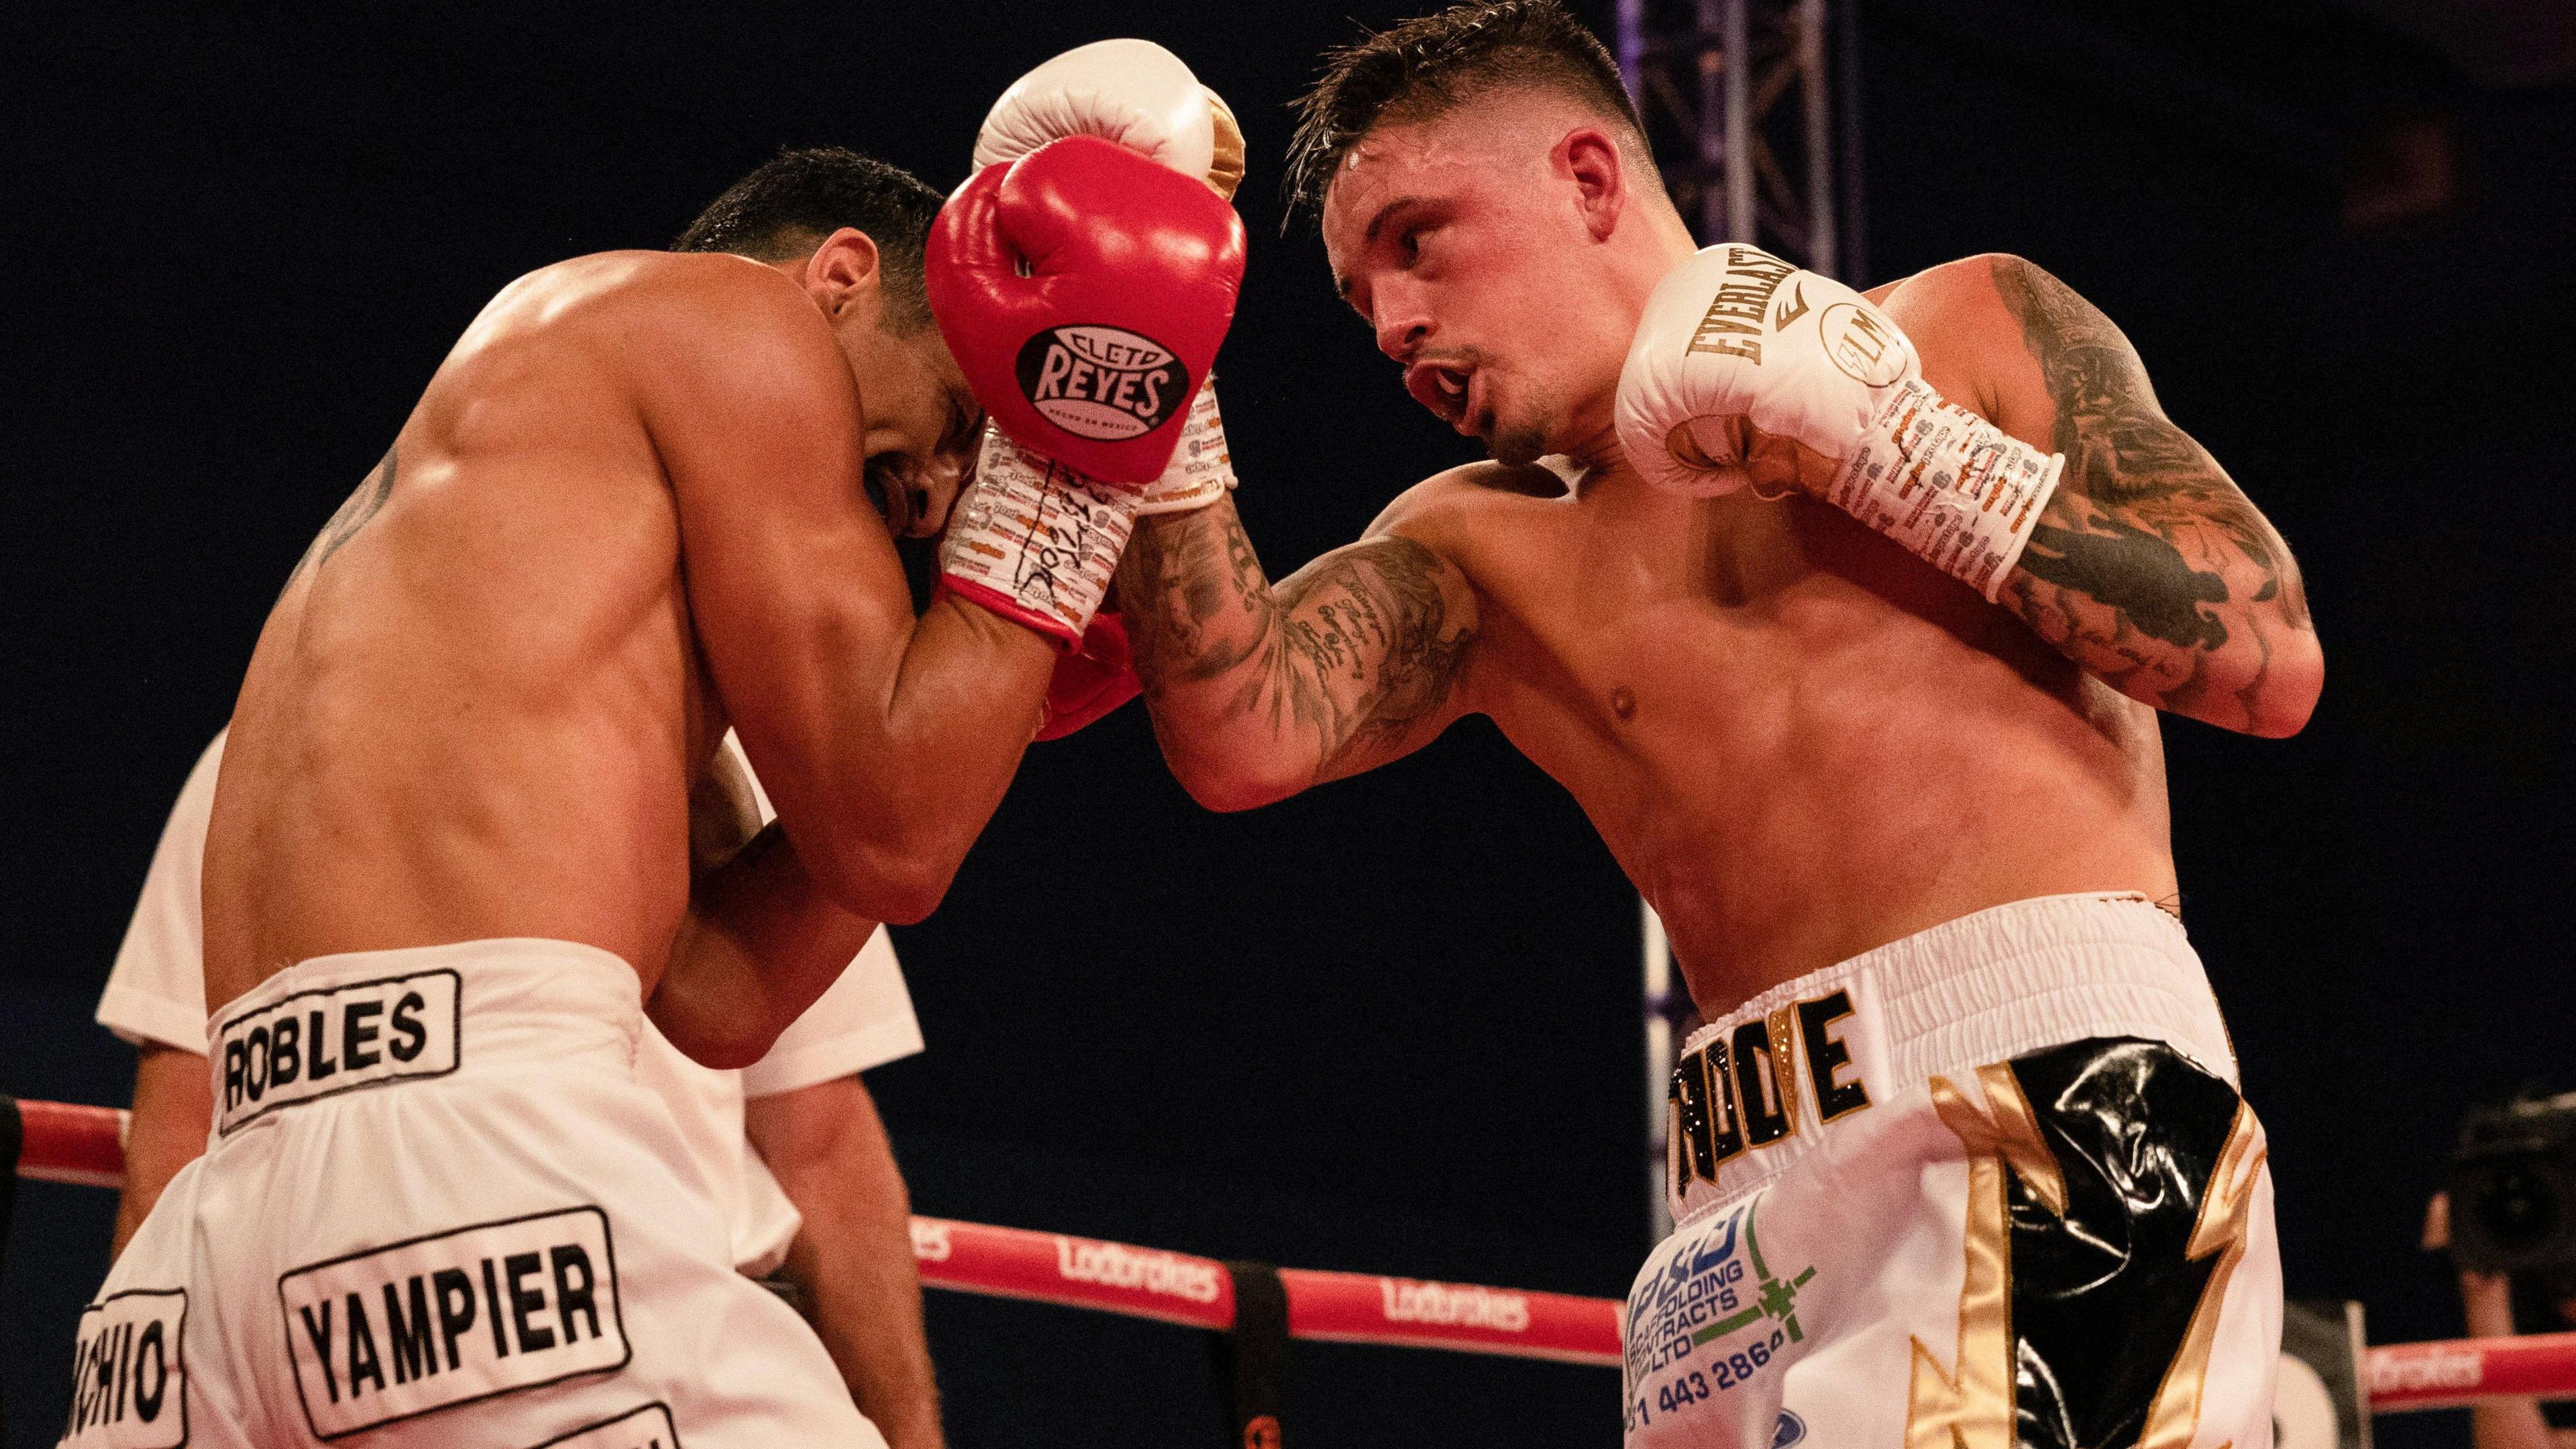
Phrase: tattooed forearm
[1180,576]
[1350,662]
[2149,566]
[2138,575]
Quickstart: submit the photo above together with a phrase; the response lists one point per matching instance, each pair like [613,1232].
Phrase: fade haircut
[1435,63]
[787,207]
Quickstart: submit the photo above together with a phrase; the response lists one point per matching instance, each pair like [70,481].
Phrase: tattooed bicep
[2105,418]
[1373,640]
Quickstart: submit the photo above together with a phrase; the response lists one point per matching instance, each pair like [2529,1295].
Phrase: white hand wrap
[1957,491]
[1202,466]
[1035,541]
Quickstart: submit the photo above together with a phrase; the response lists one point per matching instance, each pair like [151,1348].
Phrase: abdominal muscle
[480,716]
[1824,757]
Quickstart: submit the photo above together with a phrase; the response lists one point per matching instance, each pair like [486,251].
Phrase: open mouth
[1444,389]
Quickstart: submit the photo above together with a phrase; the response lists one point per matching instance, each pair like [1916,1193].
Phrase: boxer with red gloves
[1101,407]
[630,509]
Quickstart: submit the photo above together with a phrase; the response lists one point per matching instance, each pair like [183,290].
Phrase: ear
[843,272]
[1590,159]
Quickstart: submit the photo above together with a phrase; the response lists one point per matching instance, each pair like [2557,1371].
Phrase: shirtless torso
[1800,741]
[627,511]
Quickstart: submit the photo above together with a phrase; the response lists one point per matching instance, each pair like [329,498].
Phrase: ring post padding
[1252,1356]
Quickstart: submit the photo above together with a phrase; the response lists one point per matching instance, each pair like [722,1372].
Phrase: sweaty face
[1461,242]
[922,427]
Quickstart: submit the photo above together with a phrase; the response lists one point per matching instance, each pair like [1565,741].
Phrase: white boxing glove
[1132,92]
[1736,338]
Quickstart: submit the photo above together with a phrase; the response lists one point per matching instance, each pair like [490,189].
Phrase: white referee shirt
[157,994]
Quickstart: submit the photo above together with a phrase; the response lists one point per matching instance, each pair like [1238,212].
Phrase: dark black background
[1391,1025]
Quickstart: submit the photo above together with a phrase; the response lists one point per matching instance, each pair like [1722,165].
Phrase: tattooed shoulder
[2109,425]
[2144,563]
[353,514]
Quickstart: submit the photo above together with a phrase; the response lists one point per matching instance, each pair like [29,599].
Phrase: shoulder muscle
[1972,322]
[737,338]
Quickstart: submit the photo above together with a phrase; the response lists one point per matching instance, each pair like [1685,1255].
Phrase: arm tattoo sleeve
[1342,663]
[2149,567]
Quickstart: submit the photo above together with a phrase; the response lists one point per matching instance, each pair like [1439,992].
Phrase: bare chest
[1797,740]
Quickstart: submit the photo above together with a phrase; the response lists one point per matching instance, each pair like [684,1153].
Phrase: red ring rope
[2453,1372]
[86,1145]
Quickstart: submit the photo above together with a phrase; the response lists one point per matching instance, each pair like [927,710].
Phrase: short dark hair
[788,206]
[1432,63]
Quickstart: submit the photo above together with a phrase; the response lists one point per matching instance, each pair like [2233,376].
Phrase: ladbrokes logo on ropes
[930,1242]
[1113,1266]
[1103,383]
[1465,1306]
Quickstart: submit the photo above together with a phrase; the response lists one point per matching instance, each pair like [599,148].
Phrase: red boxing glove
[1084,290]
[1092,679]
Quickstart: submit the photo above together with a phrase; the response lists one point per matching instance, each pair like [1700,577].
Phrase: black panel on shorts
[2101,1297]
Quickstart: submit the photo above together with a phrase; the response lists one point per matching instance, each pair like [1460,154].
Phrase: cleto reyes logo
[1102,383]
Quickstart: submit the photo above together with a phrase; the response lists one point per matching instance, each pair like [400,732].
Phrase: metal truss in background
[1752,108]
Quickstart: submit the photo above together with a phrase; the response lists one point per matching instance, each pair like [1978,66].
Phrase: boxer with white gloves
[1744,363]
[1908,838]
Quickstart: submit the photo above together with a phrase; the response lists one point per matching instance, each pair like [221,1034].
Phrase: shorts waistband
[1772,1077]
[334,1024]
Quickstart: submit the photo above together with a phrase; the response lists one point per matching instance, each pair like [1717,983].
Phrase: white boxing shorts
[1988,1186]
[436,1208]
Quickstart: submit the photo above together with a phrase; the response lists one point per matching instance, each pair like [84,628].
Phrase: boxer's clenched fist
[1084,290]
[1131,92]
[1737,338]
[1140,96]
[1745,364]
